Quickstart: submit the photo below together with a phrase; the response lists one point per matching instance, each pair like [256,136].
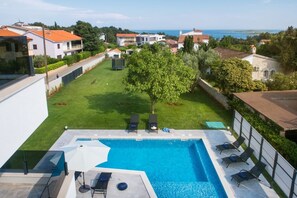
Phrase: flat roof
[278,106]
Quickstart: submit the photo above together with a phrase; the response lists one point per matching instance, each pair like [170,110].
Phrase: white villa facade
[142,39]
[126,39]
[263,67]
[198,39]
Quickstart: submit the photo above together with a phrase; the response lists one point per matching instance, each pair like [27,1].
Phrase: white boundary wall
[21,113]
[282,172]
[214,93]
[56,84]
[90,65]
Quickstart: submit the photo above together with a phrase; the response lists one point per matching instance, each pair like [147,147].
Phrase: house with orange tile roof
[59,43]
[126,39]
[198,39]
[4,32]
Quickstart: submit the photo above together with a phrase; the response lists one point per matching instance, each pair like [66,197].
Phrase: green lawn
[97,100]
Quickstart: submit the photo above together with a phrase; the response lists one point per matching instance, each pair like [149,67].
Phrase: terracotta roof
[126,35]
[5,32]
[57,35]
[228,53]
[116,50]
[196,38]
[171,42]
[278,106]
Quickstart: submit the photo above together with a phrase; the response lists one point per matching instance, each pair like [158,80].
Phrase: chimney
[253,49]
[71,32]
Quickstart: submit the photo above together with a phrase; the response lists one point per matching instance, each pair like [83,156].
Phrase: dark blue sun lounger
[245,175]
[153,123]
[227,145]
[101,184]
[238,158]
[134,121]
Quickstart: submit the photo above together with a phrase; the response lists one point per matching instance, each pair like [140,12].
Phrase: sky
[155,14]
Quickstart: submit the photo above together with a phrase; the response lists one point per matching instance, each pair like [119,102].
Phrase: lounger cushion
[243,175]
[233,158]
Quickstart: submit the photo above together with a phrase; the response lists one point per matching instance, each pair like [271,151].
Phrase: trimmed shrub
[70,59]
[50,67]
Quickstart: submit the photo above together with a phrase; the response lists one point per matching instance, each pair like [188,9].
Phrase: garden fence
[281,171]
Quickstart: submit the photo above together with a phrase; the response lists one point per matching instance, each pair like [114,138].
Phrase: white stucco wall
[261,64]
[264,64]
[23,107]
[51,47]
[68,188]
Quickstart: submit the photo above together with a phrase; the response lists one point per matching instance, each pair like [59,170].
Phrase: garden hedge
[53,66]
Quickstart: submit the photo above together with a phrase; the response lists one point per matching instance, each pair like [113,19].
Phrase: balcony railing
[51,162]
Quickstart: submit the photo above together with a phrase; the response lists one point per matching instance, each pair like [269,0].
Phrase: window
[256,69]
[272,72]
[59,57]
[58,46]
[35,46]
[266,73]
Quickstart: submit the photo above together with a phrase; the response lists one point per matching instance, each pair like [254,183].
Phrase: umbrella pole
[84,188]
[84,184]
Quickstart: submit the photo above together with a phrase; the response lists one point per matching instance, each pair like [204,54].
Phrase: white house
[198,38]
[142,39]
[263,67]
[192,33]
[126,39]
[59,43]
[115,53]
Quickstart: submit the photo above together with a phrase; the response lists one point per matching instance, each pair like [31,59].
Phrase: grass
[97,100]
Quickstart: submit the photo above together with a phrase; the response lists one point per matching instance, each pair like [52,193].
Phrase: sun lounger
[101,184]
[227,145]
[153,123]
[245,175]
[238,158]
[134,121]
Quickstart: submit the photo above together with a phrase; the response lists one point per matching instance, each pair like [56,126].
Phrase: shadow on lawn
[118,102]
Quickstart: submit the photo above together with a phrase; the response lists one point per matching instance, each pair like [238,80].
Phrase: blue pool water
[175,168]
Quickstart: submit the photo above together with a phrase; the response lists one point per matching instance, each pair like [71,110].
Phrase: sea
[217,34]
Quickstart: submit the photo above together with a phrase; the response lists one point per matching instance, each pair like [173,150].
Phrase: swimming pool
[175,168]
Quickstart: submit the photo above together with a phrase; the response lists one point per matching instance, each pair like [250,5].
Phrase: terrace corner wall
[23,107]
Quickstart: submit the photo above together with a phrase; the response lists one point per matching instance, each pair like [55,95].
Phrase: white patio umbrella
[84,155]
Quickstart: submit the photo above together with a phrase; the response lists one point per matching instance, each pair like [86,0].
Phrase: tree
[234,75]
[280,81]
[89,35]
[188,44]
[160,74]
[201,62]
[288,50]
[213,43]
